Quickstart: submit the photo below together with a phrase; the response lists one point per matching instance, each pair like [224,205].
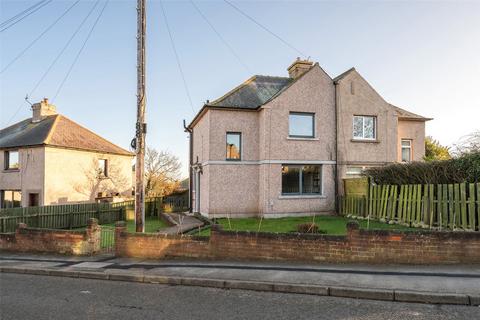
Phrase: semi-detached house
[276,146]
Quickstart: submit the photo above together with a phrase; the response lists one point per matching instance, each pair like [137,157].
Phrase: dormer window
[12,160]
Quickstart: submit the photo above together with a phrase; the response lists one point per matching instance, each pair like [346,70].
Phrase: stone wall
[358,246]
[53,241]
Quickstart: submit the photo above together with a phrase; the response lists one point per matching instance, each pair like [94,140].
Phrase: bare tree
[467,144]
[94,182]
[162,172]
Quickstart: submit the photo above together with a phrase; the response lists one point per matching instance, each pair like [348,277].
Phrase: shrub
[307,228]
[462,169]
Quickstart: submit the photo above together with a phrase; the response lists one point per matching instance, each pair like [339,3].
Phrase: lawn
[334,225]
[152,224]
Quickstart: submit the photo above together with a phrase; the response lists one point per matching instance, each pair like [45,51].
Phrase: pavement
[458,284]
[25,297]
[181,223]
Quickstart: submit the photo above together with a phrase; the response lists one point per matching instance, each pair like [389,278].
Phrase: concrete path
[458,284]
[183,223]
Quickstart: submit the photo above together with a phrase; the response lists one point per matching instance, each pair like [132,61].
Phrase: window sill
[302,196]
[303,138]
[11,170]
[365,140]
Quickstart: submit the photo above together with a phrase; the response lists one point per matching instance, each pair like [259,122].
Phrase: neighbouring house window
[354,171]
[10,199]
[301,179]
[102,168]
[364,127]
[301,125]
[406,150]
[12,160]
[234,145]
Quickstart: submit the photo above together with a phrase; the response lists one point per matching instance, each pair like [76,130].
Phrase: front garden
[334,225]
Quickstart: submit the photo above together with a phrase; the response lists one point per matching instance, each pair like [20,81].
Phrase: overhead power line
[177,57]
[222,39]
[264,28]
[67,44]
[22,15]
[39,37]
[80,51]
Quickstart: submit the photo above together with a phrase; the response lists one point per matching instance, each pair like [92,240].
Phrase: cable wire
[177,57]
[67,44]
[80,51]
[264,28]
[222,39]
[39,37]
[4,23]
[27,12]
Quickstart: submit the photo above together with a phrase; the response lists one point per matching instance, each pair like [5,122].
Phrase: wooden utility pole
[141,125]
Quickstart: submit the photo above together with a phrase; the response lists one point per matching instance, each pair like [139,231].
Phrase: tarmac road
[48,297]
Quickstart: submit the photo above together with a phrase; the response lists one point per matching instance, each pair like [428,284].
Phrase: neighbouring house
[276,146]
[49,159]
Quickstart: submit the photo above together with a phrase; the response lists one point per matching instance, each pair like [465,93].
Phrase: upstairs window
[301,180]
[102,168]
[301,125]
[234,146]
[12,160]
[406,150]
[364,127]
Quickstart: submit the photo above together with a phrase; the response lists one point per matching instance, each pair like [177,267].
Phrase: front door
[33,199]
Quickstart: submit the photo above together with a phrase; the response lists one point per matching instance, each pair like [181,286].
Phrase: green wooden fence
[76,215]
[442,206]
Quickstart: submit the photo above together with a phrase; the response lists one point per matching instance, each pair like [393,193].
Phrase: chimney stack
[299,67]
[42,109]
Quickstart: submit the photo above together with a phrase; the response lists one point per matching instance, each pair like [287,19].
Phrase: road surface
[47,297]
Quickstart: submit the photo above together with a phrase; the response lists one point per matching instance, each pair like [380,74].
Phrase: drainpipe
[337,98]
[190,161]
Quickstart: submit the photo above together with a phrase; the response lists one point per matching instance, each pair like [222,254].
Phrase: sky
[422,56]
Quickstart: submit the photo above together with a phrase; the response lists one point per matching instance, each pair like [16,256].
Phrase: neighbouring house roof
[407,115]
[58,131]
[252,93]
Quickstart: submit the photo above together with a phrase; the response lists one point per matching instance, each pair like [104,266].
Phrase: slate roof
[58,131]
[253,93]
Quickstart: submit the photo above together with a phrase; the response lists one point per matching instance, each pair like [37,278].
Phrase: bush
[307,228]
[462,169]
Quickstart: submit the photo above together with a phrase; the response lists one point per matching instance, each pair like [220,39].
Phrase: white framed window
[406,150]
[301,180]
[364,127]
[301,125]
[12,160]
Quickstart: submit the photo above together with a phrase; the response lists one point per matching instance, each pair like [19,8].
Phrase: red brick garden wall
[53,241]
[358,246]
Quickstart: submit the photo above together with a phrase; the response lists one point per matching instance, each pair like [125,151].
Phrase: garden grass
[333,225]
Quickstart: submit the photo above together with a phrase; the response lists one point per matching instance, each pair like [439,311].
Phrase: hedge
[458,170]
